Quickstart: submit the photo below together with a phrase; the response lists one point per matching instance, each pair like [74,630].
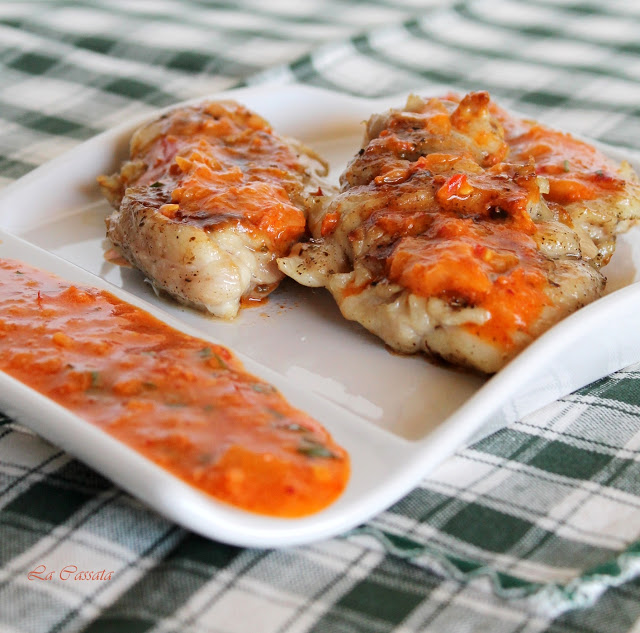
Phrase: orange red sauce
[182,402]
[473,247]
[465,234]
[478,250]
[222,163]
[575,170]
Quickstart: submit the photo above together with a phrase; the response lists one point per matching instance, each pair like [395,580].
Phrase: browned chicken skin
[210,197]
[465,233]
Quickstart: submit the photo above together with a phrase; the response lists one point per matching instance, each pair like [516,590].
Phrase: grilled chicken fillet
[208,201]
[465,233]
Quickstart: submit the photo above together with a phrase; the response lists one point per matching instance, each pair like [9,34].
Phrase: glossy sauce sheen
[224,165]
[575,170]
[182,402]
[475,244]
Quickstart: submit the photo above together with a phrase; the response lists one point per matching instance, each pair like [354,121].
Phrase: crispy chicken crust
[207,202]
[463,232]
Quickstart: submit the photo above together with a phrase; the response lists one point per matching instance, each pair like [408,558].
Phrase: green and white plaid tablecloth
[533,529]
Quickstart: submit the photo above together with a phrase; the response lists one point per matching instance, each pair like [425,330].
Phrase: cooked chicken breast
[465,233]
[208,201]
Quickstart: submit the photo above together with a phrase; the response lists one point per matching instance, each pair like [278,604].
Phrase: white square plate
[397,416]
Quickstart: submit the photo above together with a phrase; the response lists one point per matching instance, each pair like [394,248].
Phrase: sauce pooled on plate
[184,403]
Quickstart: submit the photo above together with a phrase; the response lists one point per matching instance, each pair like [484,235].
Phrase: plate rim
[422,455]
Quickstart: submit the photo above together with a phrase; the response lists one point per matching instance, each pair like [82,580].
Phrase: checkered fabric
[533,529]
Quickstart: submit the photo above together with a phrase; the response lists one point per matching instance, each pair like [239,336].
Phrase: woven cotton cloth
[535,528]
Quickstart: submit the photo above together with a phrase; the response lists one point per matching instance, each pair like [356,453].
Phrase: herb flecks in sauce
[153,388]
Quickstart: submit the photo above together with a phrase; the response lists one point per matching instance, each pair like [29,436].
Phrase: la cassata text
[68,572]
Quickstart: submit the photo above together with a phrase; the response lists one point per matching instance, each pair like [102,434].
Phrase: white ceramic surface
[398,417]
